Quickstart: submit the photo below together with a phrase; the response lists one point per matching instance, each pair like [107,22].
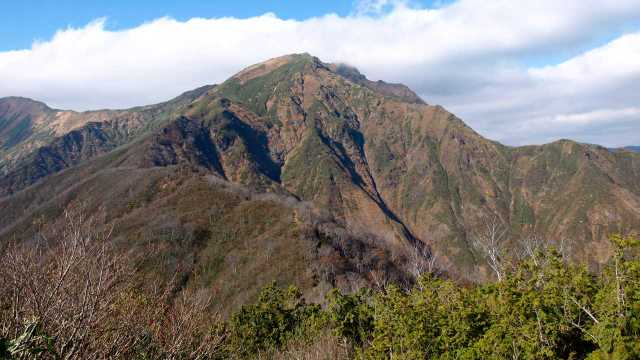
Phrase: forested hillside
[76,296]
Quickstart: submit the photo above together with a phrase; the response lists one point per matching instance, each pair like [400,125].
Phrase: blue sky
[517,71]
[22,22]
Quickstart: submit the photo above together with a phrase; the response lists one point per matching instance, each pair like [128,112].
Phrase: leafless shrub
[421,260]
[74,284]
[379,278]
[489,241]
[67,279]
[187,332]
[154,325]
[534,246]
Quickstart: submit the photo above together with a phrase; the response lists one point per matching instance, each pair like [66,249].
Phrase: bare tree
[162,324]
[564,248]
[577,314]
[489,242]
[532,246]
[422,260]
[187,331]
[66,280]
[71,290]
[379,278]
[78,289]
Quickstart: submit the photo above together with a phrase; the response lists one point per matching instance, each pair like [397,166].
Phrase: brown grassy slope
[191,226]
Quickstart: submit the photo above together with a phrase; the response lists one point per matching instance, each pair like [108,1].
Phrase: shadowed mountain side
[26,125]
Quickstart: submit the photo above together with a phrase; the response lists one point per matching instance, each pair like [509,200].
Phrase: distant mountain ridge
[626,148]
[351,175]
[55,139]
[26,124]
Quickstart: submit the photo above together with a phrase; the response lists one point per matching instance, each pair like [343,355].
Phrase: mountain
[307,172]
[26,125]
[30,129]
[626,148]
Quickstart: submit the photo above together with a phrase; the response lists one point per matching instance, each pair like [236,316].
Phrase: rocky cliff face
[373,157]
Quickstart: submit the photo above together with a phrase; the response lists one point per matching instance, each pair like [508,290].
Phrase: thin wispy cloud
[469,56]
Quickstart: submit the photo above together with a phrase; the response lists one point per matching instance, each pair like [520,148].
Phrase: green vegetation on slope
[396,172]
[544,308]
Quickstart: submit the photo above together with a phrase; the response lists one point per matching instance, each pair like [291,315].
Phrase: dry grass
[325,347]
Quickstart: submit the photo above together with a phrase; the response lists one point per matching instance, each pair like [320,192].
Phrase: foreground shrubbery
[74,298]
[543,309]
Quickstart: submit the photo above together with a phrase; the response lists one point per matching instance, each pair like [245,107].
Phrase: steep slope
[377,160]
[56,140]
[26,125]
[200,231]
[16,122]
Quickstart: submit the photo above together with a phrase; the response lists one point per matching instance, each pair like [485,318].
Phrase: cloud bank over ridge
[490,62]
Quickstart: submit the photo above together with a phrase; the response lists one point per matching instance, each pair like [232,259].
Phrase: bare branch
[489,241]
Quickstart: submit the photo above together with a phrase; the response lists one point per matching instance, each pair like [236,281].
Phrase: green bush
[351,315]
[271,321]
[545,308]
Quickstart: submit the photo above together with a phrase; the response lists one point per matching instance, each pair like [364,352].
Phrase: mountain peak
[304,62]
[389,89]
[17,116]
[16,104]
[265,67]
[370,154]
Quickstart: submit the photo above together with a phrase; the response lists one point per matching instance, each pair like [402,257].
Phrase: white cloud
[592,97]
[599,116]
[466,56]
